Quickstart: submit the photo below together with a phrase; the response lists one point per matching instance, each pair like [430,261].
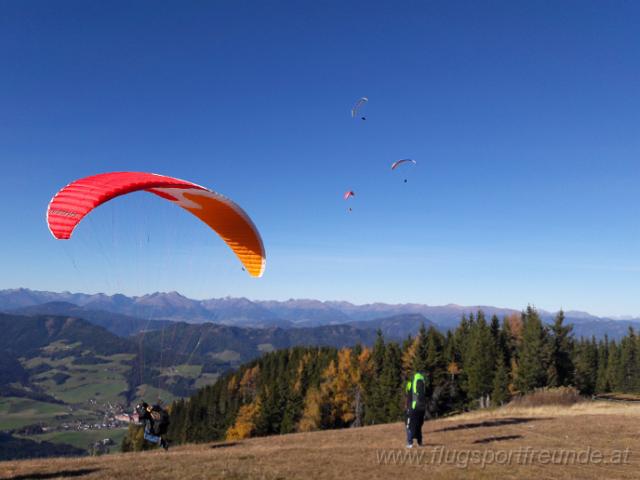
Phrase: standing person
[415,408]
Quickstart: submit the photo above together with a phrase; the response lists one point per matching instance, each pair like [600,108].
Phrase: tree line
[483,362]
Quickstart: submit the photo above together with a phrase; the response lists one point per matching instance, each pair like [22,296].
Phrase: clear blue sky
[524,118]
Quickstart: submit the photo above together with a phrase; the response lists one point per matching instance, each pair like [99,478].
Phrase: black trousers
[415,419]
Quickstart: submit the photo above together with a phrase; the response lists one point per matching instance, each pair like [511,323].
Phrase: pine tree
[375,399]
[629,358]
[531,367]
[558,353]
[480,361]
[614,369]
[422,347]
[391,383]
[500,392]
[495,330]
[586,366]
[602,377]
[435,370]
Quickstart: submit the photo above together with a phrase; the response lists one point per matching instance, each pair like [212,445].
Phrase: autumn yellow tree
[304,361]
[245,423]
[408,358]
[249,384]
[311,415]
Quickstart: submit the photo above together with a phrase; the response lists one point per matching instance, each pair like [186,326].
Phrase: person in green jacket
[416,406]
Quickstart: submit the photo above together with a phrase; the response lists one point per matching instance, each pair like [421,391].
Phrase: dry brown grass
[354,453]
[628,397]
[564,396]
[581,409]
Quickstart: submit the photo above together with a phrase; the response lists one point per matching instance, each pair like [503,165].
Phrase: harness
[412,387]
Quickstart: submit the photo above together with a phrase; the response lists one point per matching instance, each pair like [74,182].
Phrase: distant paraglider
[356,108]
[73,202]
[397,163]
[347,195]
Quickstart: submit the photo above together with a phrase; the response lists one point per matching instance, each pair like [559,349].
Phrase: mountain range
[126,315]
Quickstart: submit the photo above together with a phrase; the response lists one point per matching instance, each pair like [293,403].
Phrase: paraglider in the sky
[356,108]
[349,194]
[73,202]
[397,163]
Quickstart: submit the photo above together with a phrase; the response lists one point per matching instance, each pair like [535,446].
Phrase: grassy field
[152,394]
[189,371]
[266,347]
[206,379]
[18,412]
[594,440]
[84,438]
[226,356]
[171,374]
[103,382]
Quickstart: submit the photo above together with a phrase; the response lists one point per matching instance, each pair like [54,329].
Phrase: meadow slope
[592,440]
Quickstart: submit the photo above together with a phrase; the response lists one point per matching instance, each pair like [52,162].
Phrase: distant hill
[117,323]
[614,329]
[14,298]
[243,312]
[397,327]
[25,335]
[446,316]
[227,346]
[11,370]
[309,313]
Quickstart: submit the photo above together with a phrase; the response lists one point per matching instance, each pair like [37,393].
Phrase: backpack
[160,420]
[418,392]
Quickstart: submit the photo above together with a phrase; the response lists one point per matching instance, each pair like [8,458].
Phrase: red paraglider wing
[72,203]
[348,194]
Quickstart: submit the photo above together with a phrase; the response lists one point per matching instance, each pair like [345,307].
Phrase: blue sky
[524,118]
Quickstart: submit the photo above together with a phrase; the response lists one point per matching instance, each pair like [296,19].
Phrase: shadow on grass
[58,474]
[501,438]
[491,423]
[224,445]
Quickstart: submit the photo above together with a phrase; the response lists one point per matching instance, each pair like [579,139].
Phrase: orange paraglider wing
[72,203]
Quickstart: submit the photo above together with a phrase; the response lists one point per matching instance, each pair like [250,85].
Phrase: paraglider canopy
[357,106]
[73,202]
[347,195]
[397,163]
